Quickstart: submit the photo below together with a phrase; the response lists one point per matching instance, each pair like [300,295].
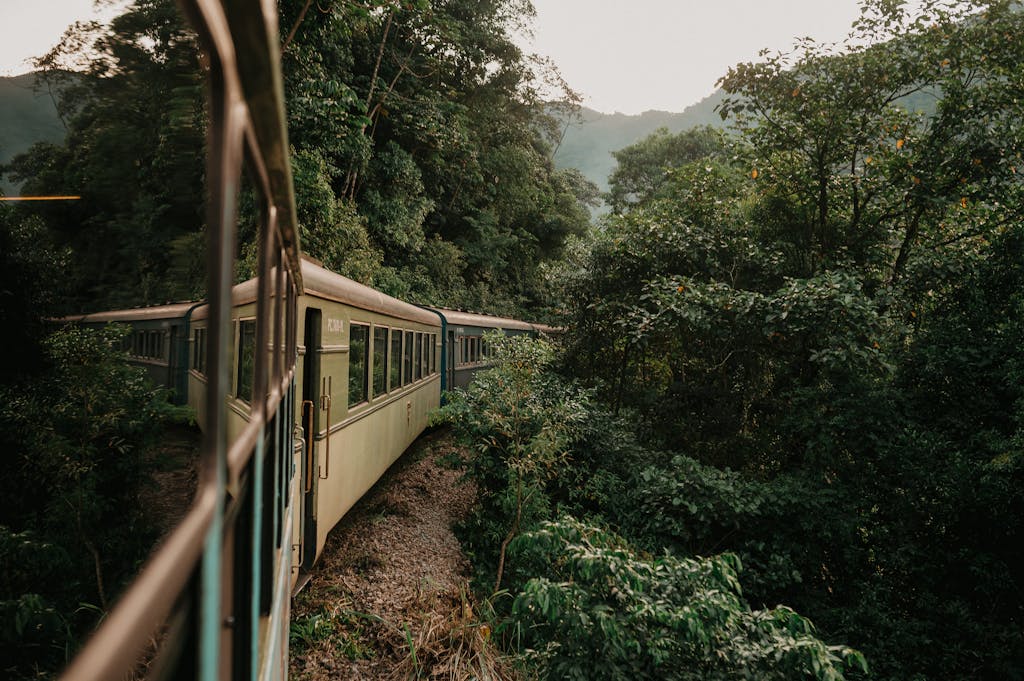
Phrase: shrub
[599,610]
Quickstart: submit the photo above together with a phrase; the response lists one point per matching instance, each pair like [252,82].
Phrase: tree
[429,120]
[599,610]
[134,153]
[846,170]
[643,168]
[822,314]
[72,528]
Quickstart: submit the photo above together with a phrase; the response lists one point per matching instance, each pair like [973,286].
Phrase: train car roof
[133,315]
[482,320]
[319,282]
[323,283]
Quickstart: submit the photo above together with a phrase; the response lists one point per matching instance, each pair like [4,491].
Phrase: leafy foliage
[642,169]
[600,611]
[413,124]
[586,603]
[133,152]
[71,527]
[430,124]
[520,421]
[817,330]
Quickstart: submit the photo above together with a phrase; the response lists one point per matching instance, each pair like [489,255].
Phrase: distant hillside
[26,117]
[588,146]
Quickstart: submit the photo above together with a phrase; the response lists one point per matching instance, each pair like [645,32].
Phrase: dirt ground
[174,477]
[388,598]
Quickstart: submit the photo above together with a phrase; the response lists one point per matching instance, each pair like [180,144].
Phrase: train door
[311,425]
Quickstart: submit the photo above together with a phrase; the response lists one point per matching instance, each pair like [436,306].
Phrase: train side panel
[465,349]
[157,342]
[378,382]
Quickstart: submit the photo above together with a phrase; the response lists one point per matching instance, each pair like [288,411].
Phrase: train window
[246,358]
[433,353]
[418,363]
[395,365]
[358,360]
[407,357]
[199,350]
[380,360]
[463,350]
[423,355]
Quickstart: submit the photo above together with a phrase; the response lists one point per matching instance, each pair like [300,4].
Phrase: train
[370,370]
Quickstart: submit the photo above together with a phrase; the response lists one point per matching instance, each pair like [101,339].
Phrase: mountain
[588,144]
[26,117]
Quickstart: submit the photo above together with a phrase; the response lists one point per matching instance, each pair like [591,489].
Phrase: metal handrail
[247,121]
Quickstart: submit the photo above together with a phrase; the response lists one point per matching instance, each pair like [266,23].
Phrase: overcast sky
[622,55]
[636,55]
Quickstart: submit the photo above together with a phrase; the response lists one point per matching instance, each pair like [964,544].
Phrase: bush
[71,526]
[519,421]
[599,610]
[586,604]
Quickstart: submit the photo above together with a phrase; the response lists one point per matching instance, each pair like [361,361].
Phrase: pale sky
[636,55]
[29,28]
[622,55]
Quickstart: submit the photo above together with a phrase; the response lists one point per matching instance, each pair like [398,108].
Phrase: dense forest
[781,433]
[797,344]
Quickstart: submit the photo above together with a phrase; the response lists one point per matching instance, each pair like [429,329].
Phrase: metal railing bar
[240,451]
[127,630]
[256,34]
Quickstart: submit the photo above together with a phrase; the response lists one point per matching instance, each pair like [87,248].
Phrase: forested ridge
[780,435]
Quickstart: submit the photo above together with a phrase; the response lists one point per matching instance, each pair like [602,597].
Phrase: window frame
[383,369]
[395,359]
[407,346]
[243,327]
[365,363]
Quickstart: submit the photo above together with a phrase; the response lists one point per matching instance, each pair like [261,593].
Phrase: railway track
[392,566]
